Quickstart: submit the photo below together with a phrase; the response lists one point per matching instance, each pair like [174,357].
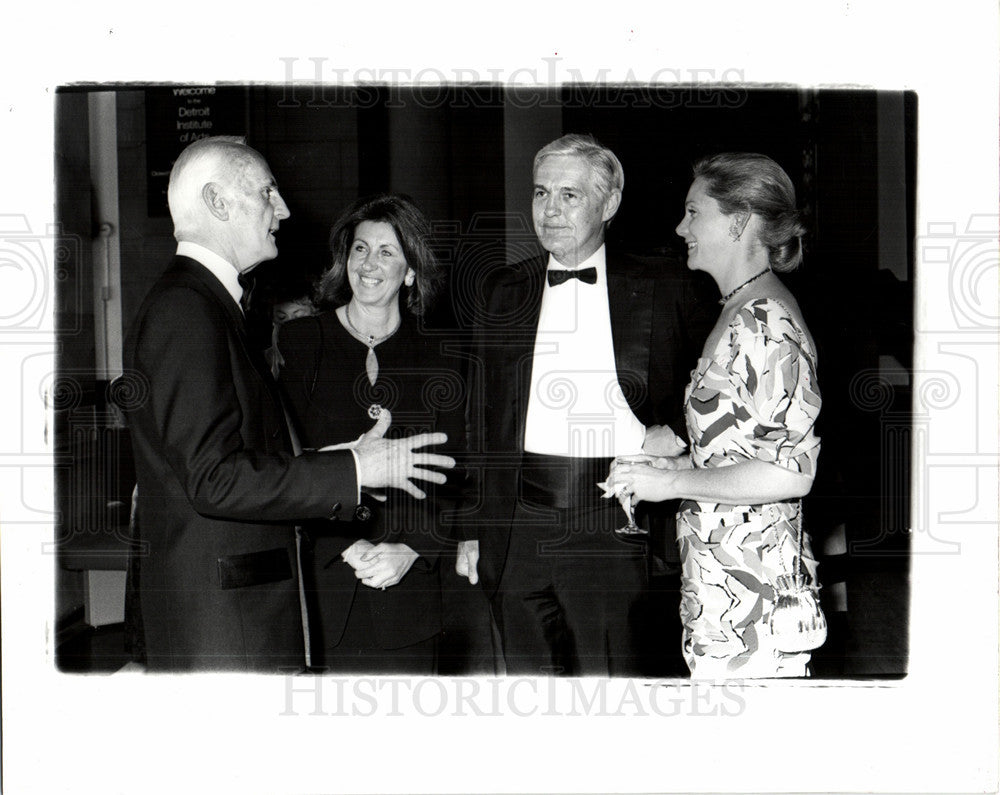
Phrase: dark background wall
[464,154]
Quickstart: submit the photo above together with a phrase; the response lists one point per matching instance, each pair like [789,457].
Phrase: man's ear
[611,205]
[216,203]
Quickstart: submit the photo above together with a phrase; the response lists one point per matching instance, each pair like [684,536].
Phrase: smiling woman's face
[376,266]
[706,231]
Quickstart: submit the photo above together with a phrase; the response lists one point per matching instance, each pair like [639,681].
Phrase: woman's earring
[738,227]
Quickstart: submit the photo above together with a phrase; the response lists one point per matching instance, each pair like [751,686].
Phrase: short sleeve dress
[755,397]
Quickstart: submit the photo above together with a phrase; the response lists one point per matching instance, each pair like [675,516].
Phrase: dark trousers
[568,589]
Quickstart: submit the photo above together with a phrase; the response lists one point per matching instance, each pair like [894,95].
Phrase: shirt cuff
[357,477]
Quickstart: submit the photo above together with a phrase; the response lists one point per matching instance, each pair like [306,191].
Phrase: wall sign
[178,115]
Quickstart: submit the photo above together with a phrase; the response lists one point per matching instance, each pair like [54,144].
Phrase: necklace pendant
[374,411]
[371,366]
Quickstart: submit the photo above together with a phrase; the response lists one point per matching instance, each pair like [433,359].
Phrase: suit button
[335,510]
[362,513]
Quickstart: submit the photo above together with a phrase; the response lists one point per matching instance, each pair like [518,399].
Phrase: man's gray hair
[220,158]
[607,169]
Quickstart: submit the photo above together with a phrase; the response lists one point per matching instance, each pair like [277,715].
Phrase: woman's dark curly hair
[413,231]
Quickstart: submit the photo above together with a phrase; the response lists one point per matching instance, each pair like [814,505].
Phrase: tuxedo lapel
[519,300]
[630,301]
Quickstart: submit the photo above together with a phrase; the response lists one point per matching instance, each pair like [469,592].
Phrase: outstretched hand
[393,463]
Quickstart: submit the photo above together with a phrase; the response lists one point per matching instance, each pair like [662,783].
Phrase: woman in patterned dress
[751,410]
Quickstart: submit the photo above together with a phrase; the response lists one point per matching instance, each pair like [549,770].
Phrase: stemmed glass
[630,529]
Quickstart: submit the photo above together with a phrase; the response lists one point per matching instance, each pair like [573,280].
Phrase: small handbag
[797,622]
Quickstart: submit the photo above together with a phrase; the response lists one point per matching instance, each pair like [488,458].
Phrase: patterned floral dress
[755,397]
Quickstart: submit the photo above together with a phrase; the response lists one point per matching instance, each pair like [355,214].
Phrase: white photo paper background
[935,730]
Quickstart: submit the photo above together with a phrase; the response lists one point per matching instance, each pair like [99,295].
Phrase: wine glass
[630,529]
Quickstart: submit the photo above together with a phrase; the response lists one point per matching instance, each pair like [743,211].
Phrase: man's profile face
[568,212]
[257,209]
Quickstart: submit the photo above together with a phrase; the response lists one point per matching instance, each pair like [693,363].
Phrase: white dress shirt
[221,269]
[576,407]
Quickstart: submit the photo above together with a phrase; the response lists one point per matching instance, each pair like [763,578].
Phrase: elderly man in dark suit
[219,486]
[580,356]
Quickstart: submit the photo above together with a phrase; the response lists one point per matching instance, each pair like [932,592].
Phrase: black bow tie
[585,275]
[247,282]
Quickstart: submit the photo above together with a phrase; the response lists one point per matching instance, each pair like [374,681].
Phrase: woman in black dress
[375,596]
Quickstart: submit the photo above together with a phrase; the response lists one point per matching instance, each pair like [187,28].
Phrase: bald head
[220,159]
[222,196]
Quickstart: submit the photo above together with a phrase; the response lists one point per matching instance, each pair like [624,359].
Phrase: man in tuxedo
[578,356]
[219,486]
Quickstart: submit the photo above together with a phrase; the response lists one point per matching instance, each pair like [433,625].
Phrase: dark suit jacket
[219,488]
[660,318]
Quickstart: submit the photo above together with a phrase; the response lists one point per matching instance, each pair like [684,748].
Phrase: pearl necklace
[753,278]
